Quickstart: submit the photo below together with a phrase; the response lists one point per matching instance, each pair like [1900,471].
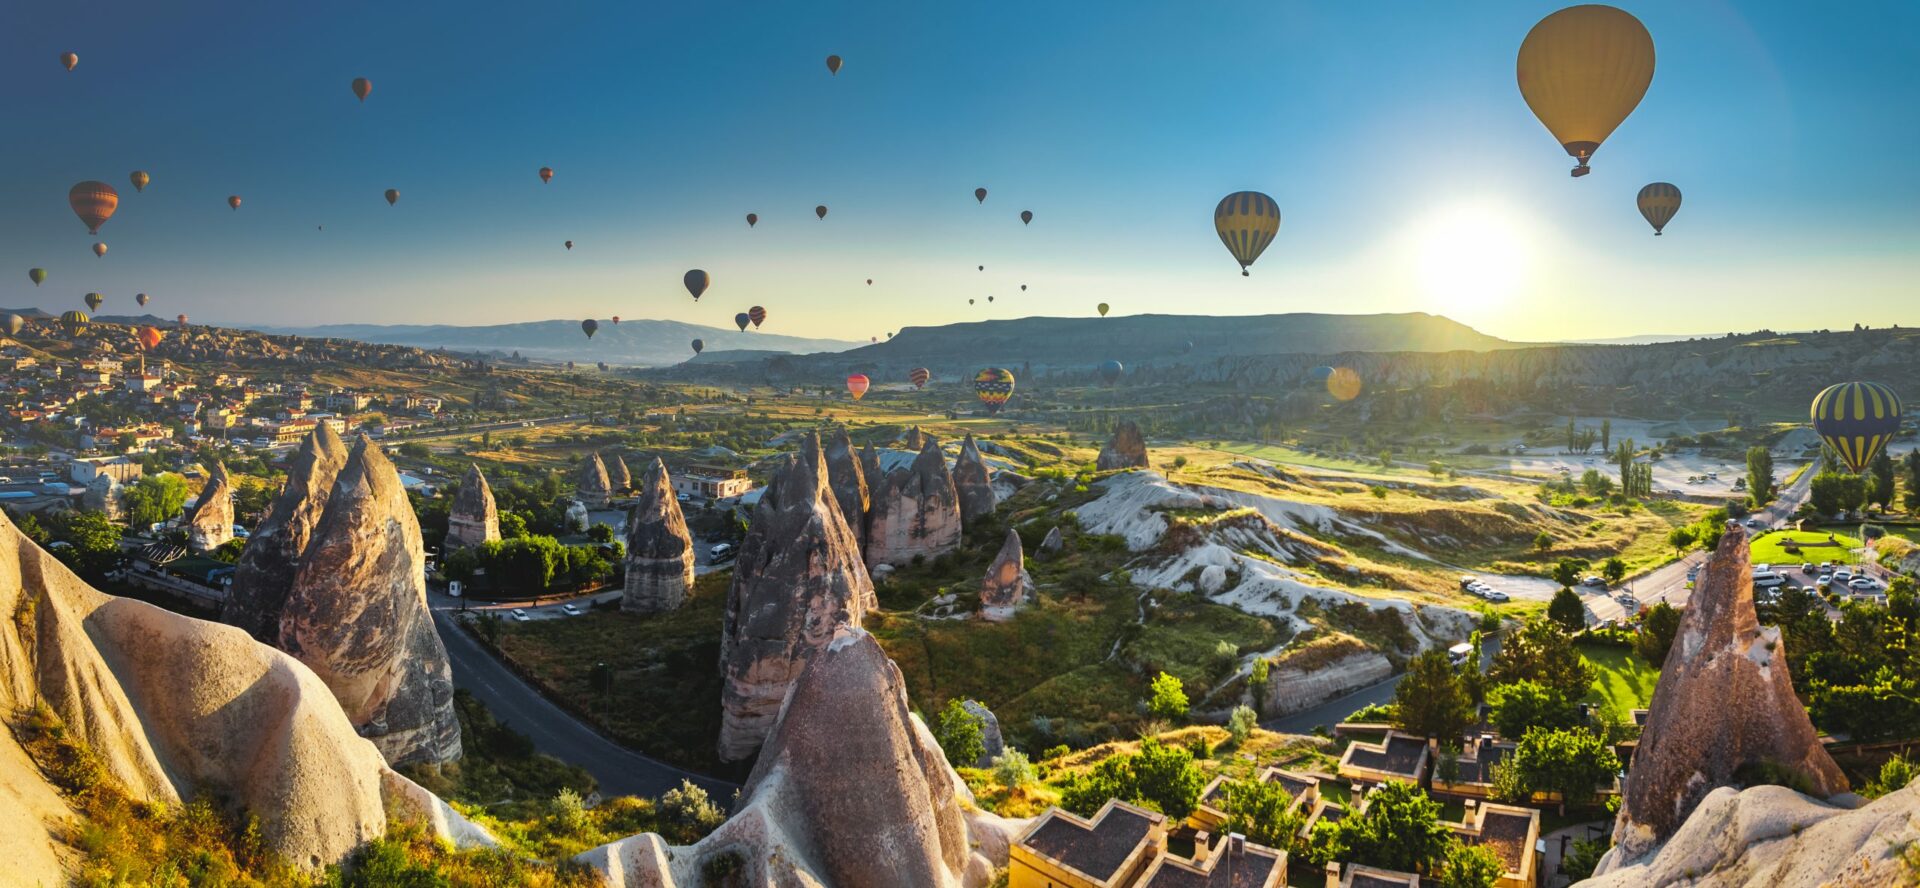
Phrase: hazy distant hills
[145,320]
[635,341]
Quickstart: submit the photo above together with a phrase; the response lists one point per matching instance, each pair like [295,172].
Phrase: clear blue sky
[1411,175]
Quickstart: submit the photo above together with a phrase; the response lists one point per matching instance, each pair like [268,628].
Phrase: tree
[1543,541]
[1241,723]
[1470,866]
[1567,571]
[1399,830]
[1681,539]
[1566,610]
[512,525]
[93,545]
[1910,465]
[961,734]
[1571,762]
[155,498]
[1834,492]
[1760,486]
[1526,704]
[1431,700]
[1544,652]
[1259,811]
[1167,698]
[1614,570]
[687,814]
[1880,480]
[1658,625]
[1012,769]
[1606,434]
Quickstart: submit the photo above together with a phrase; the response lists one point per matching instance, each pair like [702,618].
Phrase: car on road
[519,614]
[1843,576]
[1823,582]
[1496,596]
[1863,584]
[1806,568]
[570,610]
[1768,580]
[1468,581]
[1595,582]
[1752,523]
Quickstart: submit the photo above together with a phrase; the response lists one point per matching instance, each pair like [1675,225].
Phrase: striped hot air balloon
[94,202]
[75,322]
[857,384]
[918,376]
[993,386]
[1246,222]
[757,315]
[1658,202]
[1856,419]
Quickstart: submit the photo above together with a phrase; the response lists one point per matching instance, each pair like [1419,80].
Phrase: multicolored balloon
[857,384]
[150,337]
[757,315]
[993,386]
[139,178]
[1658,202]
[94,202]
[696,282]
[918,375]
[1856,419]
[99,250]
[69,59]
[74,321]
[546,174]
[93,301]
[1247,222]
[1583,70]
[393,196]
[362,87]
[590,327]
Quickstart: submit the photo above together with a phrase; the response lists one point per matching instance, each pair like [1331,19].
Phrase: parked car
[519,615]
[720,552]
[1459,653]
[1768,580]
[1468,581]
[1823,582]
[1496,596]
[1843,576]
[570,610]
[1594,581]
[1806,568]
[1863,584]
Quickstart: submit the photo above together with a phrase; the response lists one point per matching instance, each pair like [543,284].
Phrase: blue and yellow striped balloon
[1246,222]
[1658,202]
[1856,419]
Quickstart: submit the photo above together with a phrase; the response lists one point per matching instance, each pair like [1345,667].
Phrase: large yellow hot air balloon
[74,321]
[139,178]
[857,384]
[1583,70]
[1856,419]
[1246,222]
[94,202]
[1658,202]
[993,386]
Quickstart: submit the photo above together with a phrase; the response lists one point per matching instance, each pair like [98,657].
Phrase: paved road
[1335,711]
[620,770]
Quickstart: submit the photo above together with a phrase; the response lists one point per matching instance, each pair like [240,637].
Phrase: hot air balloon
[182,320]
[743,320]
[1026,217]
[13,323]
[873,339]
[361,87]
[983,268]
[602,365]
[1658,202]
[139,178]
[1583,70]
[1344,384]
[233,200]
[141,298]
[820,212]
[989,298]
[969,302]
[589,327]
[833,64]
[1103,309]
[93,301]
[69,59]
[546,174]
[74,321]
[94,202]
[696,281]
[393,196]
[857,384]
[919,376]
[699,345]
[1246,222]
[616,320]
[752,219]
[980,194]
[993,386]
[37,275]
[757,315]
[569,245]
[869,282]
[1110,371]
[99,250]
[1856,419]
[1023,288]
[1320,374]
[150,337]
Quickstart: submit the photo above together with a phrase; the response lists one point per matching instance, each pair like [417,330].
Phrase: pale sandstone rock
[659,548]
[473,518]
[210,524]
[1127,449]
[1007,585]
[591,485]
[916,513]
[267,564]
[973,482]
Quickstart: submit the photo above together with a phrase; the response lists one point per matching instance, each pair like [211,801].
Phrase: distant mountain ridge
[633,341]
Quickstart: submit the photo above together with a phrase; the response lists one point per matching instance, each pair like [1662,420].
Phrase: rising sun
[1471,256]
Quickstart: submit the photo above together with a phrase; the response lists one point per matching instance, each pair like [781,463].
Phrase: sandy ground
[1684,472]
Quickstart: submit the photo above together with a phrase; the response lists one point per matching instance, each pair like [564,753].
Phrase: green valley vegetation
[1857,675]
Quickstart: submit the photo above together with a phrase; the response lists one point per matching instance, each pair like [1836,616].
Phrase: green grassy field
[1622,681]
[1771,548]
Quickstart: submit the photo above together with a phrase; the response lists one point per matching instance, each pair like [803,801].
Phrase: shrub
[1012,770]
[687,814]
[1167,698]
[961,734]
[1241,723]
[1470,866]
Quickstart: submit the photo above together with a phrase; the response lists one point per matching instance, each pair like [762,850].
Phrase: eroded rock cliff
[473,518]
[210,524]
[916,513]
[973,482]
[265,572]
[1127,449]
[659,548]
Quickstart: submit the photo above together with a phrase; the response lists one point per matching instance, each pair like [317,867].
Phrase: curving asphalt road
[620,770]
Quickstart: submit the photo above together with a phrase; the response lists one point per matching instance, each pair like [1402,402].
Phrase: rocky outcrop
[210,524]
[1053,542]
[473,518]
[916,513]
[992,744]
[618,478]
[1725,702]
[875,476]
[849,481]
[591,486]
[913,440]
[173,708]
[797,581]
[1292,689]
[265,572]
[1127,449]
[850,791]
[659,548]
[1006,586]
[973,482]
[106,495]
[1771,836]
[356,614]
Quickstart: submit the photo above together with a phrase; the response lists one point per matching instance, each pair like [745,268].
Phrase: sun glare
[1471,257]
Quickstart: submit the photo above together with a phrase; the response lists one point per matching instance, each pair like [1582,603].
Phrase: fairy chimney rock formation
[210,524]
[916,513]
[797,581]
[659,548]
[474,519]
[849,481]
[265,572]
[1053,542]
[1006,586]
[1724,702]
[357,615]
[592,487]
[973,482]
[618,478]
[875,476]
[1125,450]
[913,440]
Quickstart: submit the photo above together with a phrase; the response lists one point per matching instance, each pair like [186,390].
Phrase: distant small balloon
[1110,371]
[1026,217]
[753,219]
[393,196]
[980,194]
[989,298]
[362,87]
[699,345]
[1023,288]
[99,249]
[983,268]
[37,275]
[182,320]
[150,337]
[69,59]
[93,301]
[743,320]
[616,320]
[590,327]
[969,302]
[820,212]
[569,245]
[1103,309]
[757,315]
[869,282]
[139,178]
[142,298]
[918,375]
[546,174]
[696,282]
[833,64]
[857,385]
[233,200]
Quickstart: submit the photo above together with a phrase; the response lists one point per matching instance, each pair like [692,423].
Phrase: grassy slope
[1622,681]
[1771,548]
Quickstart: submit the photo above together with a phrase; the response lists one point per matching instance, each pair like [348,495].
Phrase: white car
[1496,596]
[1863,584]
[570,610]
[1843,576]
[1595,582]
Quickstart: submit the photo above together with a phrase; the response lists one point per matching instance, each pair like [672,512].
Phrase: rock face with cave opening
[1127,449]
[798,580]
[973,482]
[916,513]
[659,548]
[473,519]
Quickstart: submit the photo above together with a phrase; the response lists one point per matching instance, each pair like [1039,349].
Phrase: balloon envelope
[757,315]
[743,320]
[918,375]
[150,337]
[142,298]
[74,321]
[699,345]
[1583,70]
[37,275]
[1246,222]
[857,384]
[13,323]
[616,320]
[139,178]
[696,281]
[546,174]
[69,59]
[1856,419]
[993,386]
[833,64]
[1103,309]
[980,194]
[752,219]
[393,196]
[569,245]
[1320,374]
[233,200]
[182,319]
[1658,202]
[94,202]
[589,327]
[1110,371]
[820,212]
[362,86]
[1026,217]
[93,301]
[99,249]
